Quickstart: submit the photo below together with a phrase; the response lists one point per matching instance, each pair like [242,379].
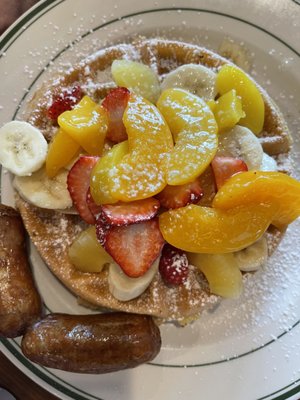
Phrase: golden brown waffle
[53,232]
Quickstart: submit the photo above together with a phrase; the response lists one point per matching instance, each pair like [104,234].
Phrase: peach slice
[87,124]
[231,77]
[100,175]
[194,128]
[208,230]
[257,187]
[62,149]
[221,271]
[140,174]
[228,110]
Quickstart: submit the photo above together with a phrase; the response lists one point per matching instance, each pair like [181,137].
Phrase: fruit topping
[64,101]
[44,192]
[221,271]
[61,150]
[102,228]
[240,142]
[208,230]
[115,103]
[94,208]
[194,128]
[23,148]
[173,265]
[86,254]
[180,196]
[252,257]
[140,175]
[137,77]
[124,288]
[195,78]
[262,187]
[134,247]
[87,124]
[228,110]
[231,77]
[78,183]
[101,175]
[129,213]
[225,167]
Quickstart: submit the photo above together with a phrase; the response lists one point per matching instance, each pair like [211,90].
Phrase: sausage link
[97,343]
[20,303]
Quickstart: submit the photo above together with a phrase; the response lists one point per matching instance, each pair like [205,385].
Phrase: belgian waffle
[52,232]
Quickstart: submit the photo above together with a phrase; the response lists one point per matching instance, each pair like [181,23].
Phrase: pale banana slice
[41,191]
[194,78]
[268,163]
[240,142]
[252,257]
[124,288]
[23,148]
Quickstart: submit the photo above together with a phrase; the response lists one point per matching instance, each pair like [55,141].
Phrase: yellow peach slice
[208,230]
[194,128]
[140,174]
[256,187]
[221,271]
[228,110]
[101,174]
[87,124]
[62,149]
[231,77]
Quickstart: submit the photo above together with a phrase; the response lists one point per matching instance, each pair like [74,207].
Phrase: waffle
[52,232]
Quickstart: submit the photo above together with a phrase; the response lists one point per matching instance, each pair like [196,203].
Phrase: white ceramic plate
[247,349]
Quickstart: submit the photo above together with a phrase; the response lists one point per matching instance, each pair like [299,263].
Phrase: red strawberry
[102,228]
[135,247]
[78,184]
[225,167]
[94,208]
[64,101]
[129,213]
[180,196]
[115,103]
[173,265]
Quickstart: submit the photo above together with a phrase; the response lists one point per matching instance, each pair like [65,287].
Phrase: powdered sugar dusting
[192,294]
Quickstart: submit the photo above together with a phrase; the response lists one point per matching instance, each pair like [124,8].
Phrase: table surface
[19,384]
[11,378]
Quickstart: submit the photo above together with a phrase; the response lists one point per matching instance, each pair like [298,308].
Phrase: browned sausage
[20,303]
[96,343]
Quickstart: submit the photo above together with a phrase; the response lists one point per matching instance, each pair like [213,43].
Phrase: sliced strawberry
[102,228]
[64,101]
[173,265]
[135,247]
[94,208]
[129,213]
[225,167]
[115,103]
[180,196]
[78,184]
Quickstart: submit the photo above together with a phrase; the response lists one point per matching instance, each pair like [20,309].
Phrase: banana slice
[194,78]
[23,148]
[236,53]
[43,192]
[240,142]
[268,163]
[124,288]
[253,257]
